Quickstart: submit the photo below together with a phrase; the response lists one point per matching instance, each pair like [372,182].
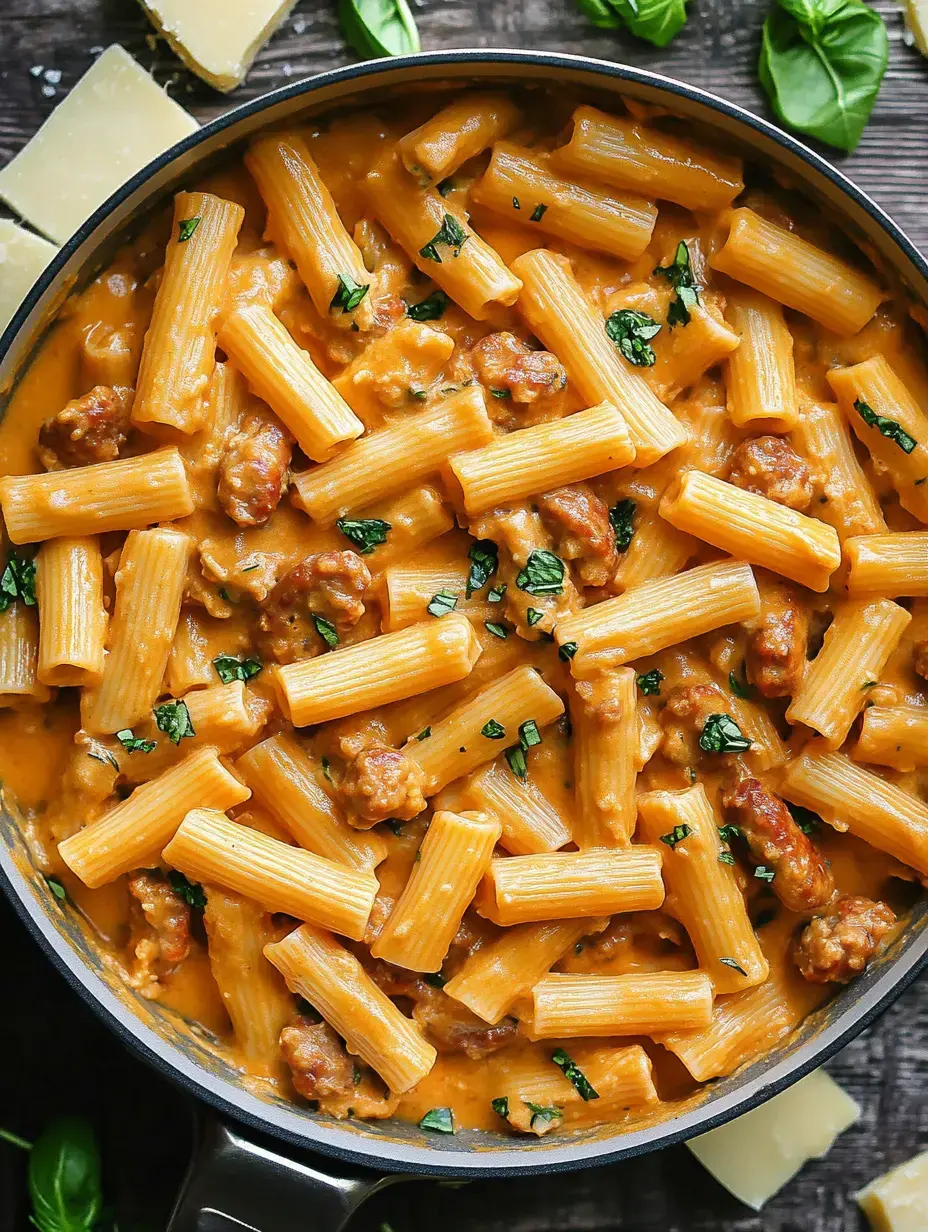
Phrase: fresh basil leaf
[681,277]
[532,617]
[430,309]
[631,333]
[574,1074]
[529,735]
[740,688]
[57,889]
[18,582]
[762,873]
[676,835]
[186,228]
[658,21]
[439,1121]
[326,769]
[493,730]
[376,28]
[567,651]
[730,962]
[725,857]
[543,574]
[500,1106]
[135,744]
[450,235]
[890,428]
[231,667]
[173,718]
[622,521]
[500,394]
[190,891]
[349,294]
[727,833]
[721,734]
[650,682]
[424,734]
[546,1113]
[496,629]
[326,631]
[365,533]
[600,13]
[484,558]
[516,759]
[442,603]
[64,1177]
[538,213]
[496,594]
[821,64]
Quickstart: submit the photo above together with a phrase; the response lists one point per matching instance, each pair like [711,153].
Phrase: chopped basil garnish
[57,889]
[186,228]
[681,277]
[762,873]
[807,821]
[173,718]
[496,629]
[676,835]
[631,333]
[740,688]
[538,213]
[622,521]
[500,1106]
[650,682]
[105,757]
[532,617]
[424,734]
[134,744]
[442,603]
[574,1074]
[730,962]
[496,594]
[439,1121]
[516,759]
[450,234]
[366,533]
[725,857]
[721,734]
[484,558]
[445,187]
[190,891]
[419,394]
[890,428]
[431,309]
[543,574]
[529,735]
[545,1113]
[567,651]
[230,667]
[515,203]
[500,393]
[326,631]
[327,770]
[17,582]
[493,730]
[729,832]
[349,293]
[436,979]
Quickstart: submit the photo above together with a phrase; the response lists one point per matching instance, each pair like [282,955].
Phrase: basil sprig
[658,21]
[377,28]
[822,63]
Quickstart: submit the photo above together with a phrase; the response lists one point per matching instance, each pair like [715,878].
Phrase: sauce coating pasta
[518,784]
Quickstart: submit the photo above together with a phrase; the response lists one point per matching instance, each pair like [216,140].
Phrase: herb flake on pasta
[18,582]
[438,1121]
[890,428]
[484,558]
[622,521]
[681,277]
[231,667]
[134,744]
[190,891]
[543,574]
[326,631]
[173,718]
[449,235]
[349,294]
[631,333]
[430,309]
[493,730]
[721,734]
[186,228]
[650,682]
[442,603]
[574,1074]
[365,533]
[676,835]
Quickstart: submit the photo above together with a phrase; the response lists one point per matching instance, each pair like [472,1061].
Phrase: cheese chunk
[756,1154]
[115,120]
[898,1200]
[218,39]
[916,18]
[23,256]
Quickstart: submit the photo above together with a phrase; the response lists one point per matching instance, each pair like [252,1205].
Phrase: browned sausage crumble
[579,523]
[329,585]
[777,646]
[382,782]
[835,947]
[504,362]
[253,471]
[89,429]
[769,466]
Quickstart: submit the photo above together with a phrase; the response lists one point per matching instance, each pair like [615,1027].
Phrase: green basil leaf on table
[821,63]
[377,28]
[64,1177]
[658,21]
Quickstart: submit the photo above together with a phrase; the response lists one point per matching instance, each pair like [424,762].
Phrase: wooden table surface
[57,1057]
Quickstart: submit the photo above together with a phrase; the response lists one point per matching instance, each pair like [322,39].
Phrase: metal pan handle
[237,1185]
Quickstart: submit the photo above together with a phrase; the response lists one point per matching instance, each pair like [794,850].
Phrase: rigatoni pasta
[69,591]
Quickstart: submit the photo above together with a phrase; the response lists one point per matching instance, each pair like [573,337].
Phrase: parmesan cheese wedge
[114,121]
[23,256]
[898,1200]
[916,18]
[218,39]
[756,1154]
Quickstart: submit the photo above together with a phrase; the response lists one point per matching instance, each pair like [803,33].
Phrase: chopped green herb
[729,832]
[495,595]
[545,1113]
[436,979]
[186,228]
[366,533]
[529,735]
[681,277]
[442,603]
[676,835]
[567,651]
[631,332]
[18,582]
[357,1075]
[890,428]
[762,873]
[439,1121]
[484,558]
[105,757]
[134,744]
[499,393]
[725,857]
[230,667]
[173,718]
[543,574]
[650,682]
[532,617]
[740,688]
[500,1106]
[538,213]
[419,394]
[349,293]
[57,889]
[622,521]
[190,891]
[493,730]
[424,734]
[64,1177]
[431,309]
[721,734]
[445,187]
[807,821]
[327,770]
[516,759]
[730,962]
[496,629]
[326,631]
[515,203]
[450,234]
[224,594]
[574,1074]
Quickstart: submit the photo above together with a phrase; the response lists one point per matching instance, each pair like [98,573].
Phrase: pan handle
[235,1184]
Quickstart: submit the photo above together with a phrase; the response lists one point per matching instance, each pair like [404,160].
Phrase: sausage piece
[453,1028]
[165,912]
[777,646]
[802,879]
[327,584]
[504,362]
[835,947]
[89,429]
[319,1064]
[253,470]
[769,466]
[579,523]
[382,782]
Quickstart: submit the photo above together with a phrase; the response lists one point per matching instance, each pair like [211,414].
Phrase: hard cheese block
[898,1201]
[23,256]
[218,39]
[756,1154]
[114,121]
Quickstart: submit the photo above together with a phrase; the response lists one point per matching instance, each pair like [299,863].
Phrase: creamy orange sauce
[98,340]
